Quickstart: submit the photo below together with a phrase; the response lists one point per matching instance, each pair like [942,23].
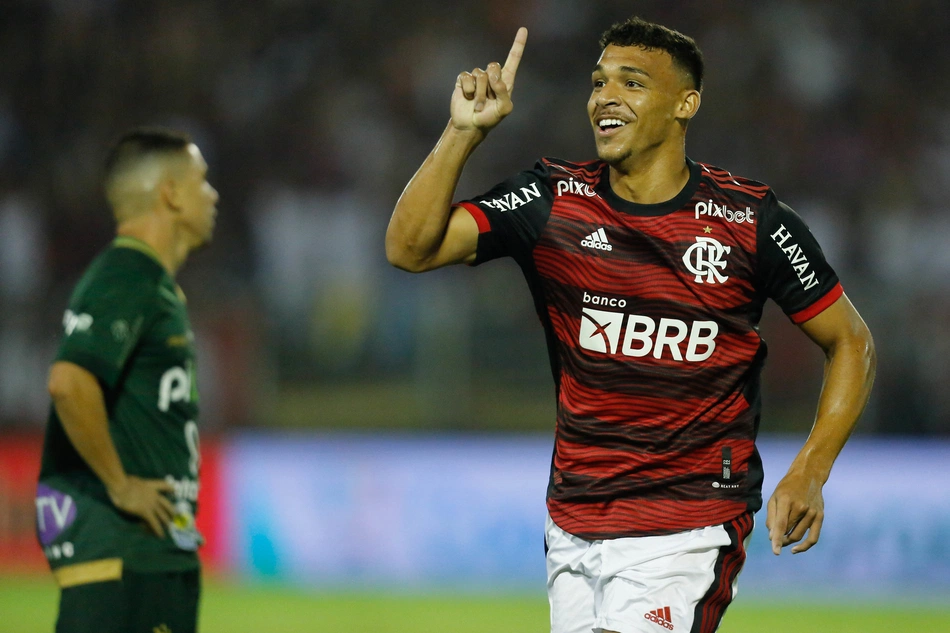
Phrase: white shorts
[651,584]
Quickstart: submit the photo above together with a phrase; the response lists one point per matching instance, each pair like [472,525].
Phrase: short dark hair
[141,142]
[638,32]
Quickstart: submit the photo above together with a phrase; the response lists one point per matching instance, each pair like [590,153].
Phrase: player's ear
[169,192]
[688,105]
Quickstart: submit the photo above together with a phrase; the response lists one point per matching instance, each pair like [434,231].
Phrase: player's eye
[633,84]
[598,83]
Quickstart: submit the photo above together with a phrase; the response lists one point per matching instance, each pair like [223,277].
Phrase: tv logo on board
[636,335]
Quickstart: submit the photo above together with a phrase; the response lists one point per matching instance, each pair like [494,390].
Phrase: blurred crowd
[313,114]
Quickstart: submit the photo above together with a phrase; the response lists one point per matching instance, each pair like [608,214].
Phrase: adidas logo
[661,617]
[598,240]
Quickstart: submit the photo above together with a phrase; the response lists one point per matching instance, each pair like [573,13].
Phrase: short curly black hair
[638,32]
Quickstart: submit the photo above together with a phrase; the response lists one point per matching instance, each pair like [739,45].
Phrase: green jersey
[126,324]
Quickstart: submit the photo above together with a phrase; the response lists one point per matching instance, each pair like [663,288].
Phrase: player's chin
[203,241]
[611,153]
[209,232]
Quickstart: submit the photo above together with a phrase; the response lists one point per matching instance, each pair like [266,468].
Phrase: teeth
[605,123]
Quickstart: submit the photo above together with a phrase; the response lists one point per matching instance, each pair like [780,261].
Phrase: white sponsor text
[796,256]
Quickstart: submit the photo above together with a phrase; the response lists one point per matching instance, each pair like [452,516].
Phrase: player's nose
[605,98]
[607,95]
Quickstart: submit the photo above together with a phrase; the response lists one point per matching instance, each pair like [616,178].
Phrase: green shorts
[158,602]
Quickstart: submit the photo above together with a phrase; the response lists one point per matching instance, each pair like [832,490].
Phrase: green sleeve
[105,321]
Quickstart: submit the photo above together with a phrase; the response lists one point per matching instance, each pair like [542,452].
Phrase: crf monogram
[705,259]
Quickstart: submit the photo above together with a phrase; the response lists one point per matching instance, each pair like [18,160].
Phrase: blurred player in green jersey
[118,485]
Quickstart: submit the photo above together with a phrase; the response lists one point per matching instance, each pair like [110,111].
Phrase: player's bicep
[838,325]
[460,242]
[69,380]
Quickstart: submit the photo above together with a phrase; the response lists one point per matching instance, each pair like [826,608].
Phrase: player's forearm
[81,408]
[849,374]
[419,221]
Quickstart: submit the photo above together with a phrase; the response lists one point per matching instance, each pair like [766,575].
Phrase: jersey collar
[660,208]
[124,241]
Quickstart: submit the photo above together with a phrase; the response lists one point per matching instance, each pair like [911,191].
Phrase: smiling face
[641,101]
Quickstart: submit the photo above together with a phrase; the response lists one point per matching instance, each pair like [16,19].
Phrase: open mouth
[607,126]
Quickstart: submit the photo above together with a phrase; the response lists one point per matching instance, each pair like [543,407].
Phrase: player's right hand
[145,498]
[482,98]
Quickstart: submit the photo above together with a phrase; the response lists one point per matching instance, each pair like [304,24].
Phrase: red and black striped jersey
[651,318]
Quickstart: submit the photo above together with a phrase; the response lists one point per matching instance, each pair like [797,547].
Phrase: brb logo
[705,259]
[603,331]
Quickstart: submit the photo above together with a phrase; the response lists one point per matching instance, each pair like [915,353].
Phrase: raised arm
[797,505]
[425,231]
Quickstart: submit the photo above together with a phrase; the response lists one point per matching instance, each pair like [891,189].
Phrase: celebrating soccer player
[118,485]
[649,272]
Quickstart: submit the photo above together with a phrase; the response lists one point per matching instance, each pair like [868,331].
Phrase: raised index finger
[510,68]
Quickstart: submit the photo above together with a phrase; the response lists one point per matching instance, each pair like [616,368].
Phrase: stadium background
[367,430]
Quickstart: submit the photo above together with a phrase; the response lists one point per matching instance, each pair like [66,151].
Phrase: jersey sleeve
[792,269]
[104,323]
[512,214]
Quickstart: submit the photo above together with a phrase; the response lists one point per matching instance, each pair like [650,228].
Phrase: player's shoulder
[127,258]
[588,172]
[119,269]
[732,185]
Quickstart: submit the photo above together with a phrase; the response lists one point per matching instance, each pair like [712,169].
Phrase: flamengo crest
[705,259]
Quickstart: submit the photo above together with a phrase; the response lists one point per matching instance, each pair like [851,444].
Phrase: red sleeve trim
[480,218]
[819,306]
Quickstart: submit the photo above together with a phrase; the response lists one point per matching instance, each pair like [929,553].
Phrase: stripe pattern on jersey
[712,607]
[640,440]
[651,320]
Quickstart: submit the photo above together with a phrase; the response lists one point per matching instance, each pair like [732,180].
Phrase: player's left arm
[797,505]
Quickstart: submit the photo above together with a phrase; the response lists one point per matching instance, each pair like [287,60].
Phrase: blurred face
[197,199]
[638,102]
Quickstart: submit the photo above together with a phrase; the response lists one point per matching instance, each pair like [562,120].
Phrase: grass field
[27,605]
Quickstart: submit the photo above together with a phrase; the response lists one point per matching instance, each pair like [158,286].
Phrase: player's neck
[160,237]
[650,177]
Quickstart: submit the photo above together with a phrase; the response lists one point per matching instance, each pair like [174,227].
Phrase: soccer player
[649,272]
[119,477]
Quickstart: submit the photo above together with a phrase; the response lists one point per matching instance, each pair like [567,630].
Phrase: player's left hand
[796,507]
